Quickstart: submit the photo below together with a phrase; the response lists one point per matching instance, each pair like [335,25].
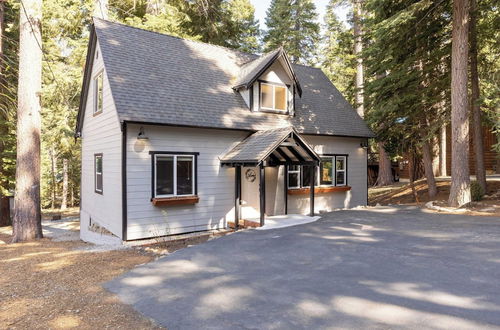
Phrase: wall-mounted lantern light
[142,135]
[364,144]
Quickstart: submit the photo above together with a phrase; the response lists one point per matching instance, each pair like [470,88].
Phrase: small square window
[273,97]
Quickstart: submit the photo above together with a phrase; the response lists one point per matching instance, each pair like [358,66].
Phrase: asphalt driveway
[377,268]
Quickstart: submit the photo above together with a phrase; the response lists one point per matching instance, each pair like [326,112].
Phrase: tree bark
[64,200]
[429,173]
[27,215]
[412,174]
[53,165]
[101,9]
[442,151]
[435,156]
[476,109]
[358,49]
[385,177]
[460,181]
[3,176]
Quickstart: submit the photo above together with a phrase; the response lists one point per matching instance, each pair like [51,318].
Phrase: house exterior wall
[101,134]
[215,183]
[323,202]
[356,176]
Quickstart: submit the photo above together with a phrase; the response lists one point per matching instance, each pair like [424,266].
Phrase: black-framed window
[273,96]
[174,174]
[98,173]
[98,93]
[332,171]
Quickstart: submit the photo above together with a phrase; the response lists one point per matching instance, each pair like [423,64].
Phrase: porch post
[311,190]
[285,193]
[262,193]
[237,196]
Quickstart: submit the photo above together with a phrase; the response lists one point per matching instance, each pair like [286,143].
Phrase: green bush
[477,192]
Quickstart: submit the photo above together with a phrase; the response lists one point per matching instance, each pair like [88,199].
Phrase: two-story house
[181,136]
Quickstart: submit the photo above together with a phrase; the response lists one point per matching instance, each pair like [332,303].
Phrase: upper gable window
[273,97]
[98,97]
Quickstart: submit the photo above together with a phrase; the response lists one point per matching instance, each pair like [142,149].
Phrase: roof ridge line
[176,37]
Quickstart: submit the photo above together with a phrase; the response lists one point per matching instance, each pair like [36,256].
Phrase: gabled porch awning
[280,146]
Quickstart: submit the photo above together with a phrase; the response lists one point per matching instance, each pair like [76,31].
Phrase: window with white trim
[294,176]
[98,96]
[98,173]
[273,97]
[340,171]
[332,171]
[174,175]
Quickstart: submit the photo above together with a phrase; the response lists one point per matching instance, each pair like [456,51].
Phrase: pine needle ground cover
[401,193]
[50,285]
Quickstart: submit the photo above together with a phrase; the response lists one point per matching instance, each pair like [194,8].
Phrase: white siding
[101,134]
[299,204]
[356,176]
[215,183]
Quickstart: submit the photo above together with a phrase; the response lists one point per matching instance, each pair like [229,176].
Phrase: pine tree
[27,214]
[242,26]
[338,53]
[477,127]
[460,181]
[291,24]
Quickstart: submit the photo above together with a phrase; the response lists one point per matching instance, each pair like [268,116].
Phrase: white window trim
[100,74]
[318,173]
[98,173]
[332,158]
[274,96]
[342,171]
[299,179]
[175,175]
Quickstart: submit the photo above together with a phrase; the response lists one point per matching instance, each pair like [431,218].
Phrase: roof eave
[86,80]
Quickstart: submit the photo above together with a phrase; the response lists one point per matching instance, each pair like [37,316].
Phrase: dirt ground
[401,193]
[57,285]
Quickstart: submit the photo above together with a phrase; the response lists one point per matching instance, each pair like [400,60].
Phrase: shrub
[477,192]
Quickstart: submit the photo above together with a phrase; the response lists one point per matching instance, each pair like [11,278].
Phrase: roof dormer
[269,83]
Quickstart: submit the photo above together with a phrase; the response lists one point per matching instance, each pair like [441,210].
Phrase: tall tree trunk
[498,158]
[442,151]
[435,156]
[53,165]
[476,109]
[64,200]
[385,177]
[27,216]
[460,180]
[3,130]
[358,49]
[101,9]
[412,174]
[429,173]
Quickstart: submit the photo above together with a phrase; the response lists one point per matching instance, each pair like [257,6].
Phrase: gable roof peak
[252,70]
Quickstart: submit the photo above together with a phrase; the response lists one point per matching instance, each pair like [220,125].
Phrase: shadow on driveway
[378,268]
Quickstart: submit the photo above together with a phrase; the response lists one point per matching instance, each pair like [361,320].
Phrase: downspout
[124,181]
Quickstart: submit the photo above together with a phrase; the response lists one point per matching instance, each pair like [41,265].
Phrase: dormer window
[273,97]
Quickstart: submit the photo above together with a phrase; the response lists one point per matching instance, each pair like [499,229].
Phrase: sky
[262,5]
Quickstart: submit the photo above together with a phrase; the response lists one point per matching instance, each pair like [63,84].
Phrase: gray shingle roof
[258,146]
[253,67]
[156,78]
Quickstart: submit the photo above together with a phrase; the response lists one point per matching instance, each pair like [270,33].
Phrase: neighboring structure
[180,136]
[491,157]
